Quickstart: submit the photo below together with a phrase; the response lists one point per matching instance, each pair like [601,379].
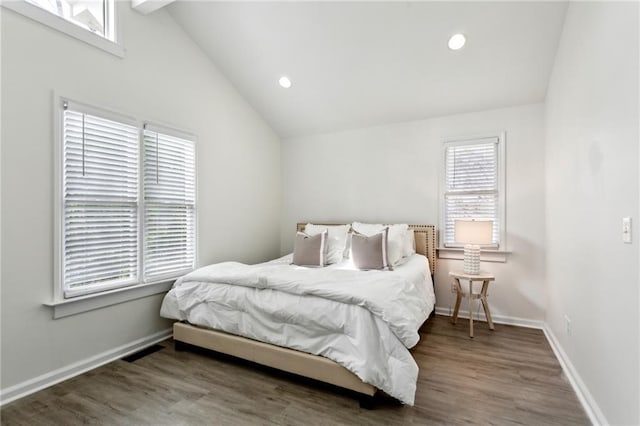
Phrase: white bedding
[363,320]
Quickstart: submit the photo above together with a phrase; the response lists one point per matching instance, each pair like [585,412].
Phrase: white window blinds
[471,188]
[100,202]
[127,205]
[169,204]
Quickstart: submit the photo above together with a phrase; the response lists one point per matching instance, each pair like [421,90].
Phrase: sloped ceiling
[358,64]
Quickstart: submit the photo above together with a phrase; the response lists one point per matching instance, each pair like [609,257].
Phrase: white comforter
[363,320]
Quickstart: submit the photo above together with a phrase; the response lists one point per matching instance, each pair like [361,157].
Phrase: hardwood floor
[508,376]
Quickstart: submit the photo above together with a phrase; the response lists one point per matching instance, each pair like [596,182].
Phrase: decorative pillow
[396,238]
[370,252]
[310,250]
[337,239]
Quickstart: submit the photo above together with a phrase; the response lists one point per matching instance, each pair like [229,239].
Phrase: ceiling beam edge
[149,6]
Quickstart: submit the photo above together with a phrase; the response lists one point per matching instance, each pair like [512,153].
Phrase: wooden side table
[485,278]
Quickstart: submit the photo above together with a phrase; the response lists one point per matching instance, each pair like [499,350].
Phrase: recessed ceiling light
[284,82]
[457,41]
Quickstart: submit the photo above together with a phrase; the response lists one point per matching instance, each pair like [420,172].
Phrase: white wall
[591,183]
[390,174]
[164,77]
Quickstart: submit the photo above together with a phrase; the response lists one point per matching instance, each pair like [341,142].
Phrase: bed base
[292,361]
[289,360]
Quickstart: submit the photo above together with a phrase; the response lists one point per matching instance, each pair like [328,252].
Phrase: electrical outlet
[567,324]
[454,288]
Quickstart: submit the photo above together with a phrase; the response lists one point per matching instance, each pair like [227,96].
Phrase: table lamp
[472,233]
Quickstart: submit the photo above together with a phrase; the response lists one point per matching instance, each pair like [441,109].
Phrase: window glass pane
[474,206]
[472,167]
[101,159]
[100,243]
[169,239]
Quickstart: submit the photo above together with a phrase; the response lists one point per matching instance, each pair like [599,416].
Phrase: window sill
[80,304]
[60,24]
[499,256]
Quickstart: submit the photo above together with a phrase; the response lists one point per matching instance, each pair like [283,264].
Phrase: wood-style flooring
[508,376]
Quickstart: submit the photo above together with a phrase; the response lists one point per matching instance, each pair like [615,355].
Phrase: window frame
[134,287]
[501,181]
[111,45]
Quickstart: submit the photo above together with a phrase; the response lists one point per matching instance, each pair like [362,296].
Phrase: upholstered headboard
[425,241]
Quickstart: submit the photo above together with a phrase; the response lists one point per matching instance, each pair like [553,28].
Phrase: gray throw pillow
[370,252]
[310,250]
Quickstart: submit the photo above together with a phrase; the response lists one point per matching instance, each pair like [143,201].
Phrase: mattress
[364,320]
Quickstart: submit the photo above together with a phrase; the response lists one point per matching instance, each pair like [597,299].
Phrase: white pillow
[409,248]
[396,242]
[337,239]
[368,229]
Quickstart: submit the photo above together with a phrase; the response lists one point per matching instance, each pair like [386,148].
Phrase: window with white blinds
[127,204]
[169,204]
[100,202]
[472,188]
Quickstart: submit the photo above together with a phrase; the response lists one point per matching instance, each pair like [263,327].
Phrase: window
[100,202]
[91,21]
[112,236]
[169,204]
[473,186]
[92,15]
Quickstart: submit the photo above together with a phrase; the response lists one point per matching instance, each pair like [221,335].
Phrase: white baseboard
[498,319]
[582,392]
[49,379]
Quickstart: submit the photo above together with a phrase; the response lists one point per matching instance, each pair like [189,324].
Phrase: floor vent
[141,354]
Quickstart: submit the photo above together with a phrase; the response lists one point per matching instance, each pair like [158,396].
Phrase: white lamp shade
[474,231]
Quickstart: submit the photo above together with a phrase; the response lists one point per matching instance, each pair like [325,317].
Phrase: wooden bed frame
[290,360]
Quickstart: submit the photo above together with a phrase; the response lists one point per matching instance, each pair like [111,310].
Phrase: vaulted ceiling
[357,64]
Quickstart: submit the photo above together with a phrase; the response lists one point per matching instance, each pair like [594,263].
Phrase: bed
[312,327]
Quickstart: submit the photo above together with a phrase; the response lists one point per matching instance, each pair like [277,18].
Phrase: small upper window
[90,21]
[93,15]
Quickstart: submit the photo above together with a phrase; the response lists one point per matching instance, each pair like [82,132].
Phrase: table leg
[458,300]
[485,304]
[470,308]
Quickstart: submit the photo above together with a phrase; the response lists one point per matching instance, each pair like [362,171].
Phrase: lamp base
[471,259]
